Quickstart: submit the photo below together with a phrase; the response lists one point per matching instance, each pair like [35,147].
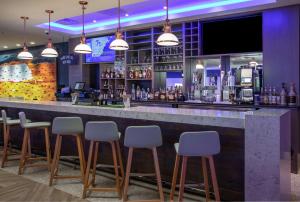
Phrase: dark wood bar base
[229,163]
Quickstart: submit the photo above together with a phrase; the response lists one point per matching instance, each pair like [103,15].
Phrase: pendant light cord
[49,28]
[83,19]
[24,30]
[119,14]
[167,10]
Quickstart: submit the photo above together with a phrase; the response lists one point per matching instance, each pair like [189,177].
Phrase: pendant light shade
[83,48]
[119,43]
[25,54]
[167,38]
[49,51]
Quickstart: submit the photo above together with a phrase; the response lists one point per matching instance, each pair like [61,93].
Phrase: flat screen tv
[100,50]
[238,35]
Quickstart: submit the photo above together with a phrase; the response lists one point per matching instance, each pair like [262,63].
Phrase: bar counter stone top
[221,118]
[266,145]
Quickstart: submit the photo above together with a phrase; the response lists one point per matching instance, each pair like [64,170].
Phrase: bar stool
[7,124]
[143,137]
[196,144]
[26,148]
[67,126]
[96,132]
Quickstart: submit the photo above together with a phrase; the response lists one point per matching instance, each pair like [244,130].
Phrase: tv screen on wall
[100,50]
[237,35]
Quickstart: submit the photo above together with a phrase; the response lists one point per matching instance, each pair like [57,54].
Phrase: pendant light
[25,55]
[167,38]
[83,48]
[119,43]
[49,52]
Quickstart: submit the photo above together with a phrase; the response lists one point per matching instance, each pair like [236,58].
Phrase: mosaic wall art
[28,80]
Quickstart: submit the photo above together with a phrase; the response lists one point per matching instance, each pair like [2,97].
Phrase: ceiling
[101,15]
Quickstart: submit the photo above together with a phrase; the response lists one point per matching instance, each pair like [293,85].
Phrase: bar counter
[254,163]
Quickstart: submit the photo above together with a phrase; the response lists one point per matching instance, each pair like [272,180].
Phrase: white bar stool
[26,149]
[67,126]
[96,132]
[196,144]
[143,137]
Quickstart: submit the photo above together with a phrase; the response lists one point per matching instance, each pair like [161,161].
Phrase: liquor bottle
[274,96]
[156,95]
[148,73]
[138,93]
[283,100]
[140,74]
[270,96]
[262,96]
[144,73]
[136,74]
[133,95]
[171,95]
[149,94]
[131,75]
[266,97]
[162,95]
[107,73]
[103,74]
[292,97]
[112,74]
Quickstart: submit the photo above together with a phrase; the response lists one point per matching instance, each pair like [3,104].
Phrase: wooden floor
[18,188]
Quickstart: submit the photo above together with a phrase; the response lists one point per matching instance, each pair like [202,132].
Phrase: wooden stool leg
[182,178]
[95,163]
[174,179]
[128,168]
[157,172]
[205,176]
[120,161]
[48,153]
[87,171]
[114,152]
[214,178]
[6,131]
[81,156]
[24,151]
[55,159]
[29,145]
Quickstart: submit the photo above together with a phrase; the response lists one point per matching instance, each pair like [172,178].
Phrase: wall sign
[71,59]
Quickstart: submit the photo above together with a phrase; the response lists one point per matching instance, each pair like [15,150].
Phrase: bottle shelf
[168,62]
[138,64]
[139,79]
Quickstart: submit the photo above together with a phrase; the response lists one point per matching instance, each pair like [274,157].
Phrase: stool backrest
[104,131]
[199,143]
[67,126]
[22,118]
[4,116]
[143,136]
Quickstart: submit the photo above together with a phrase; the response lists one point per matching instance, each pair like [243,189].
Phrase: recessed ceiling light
[94,21]
[18,45]
[32,42]
[165,7]
[126,14]
[5,47]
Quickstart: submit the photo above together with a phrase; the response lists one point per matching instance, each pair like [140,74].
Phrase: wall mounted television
[100,50]
[237,35]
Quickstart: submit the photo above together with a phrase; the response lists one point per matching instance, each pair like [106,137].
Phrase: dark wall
[281,32]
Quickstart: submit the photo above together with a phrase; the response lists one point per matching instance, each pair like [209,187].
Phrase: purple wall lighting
[148,12]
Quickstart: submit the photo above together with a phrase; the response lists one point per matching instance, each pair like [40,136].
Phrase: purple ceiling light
[148,12]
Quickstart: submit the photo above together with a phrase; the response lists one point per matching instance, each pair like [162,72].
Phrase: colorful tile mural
[28,80]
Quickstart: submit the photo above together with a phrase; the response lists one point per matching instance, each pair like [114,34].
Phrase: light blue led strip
[148,15]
